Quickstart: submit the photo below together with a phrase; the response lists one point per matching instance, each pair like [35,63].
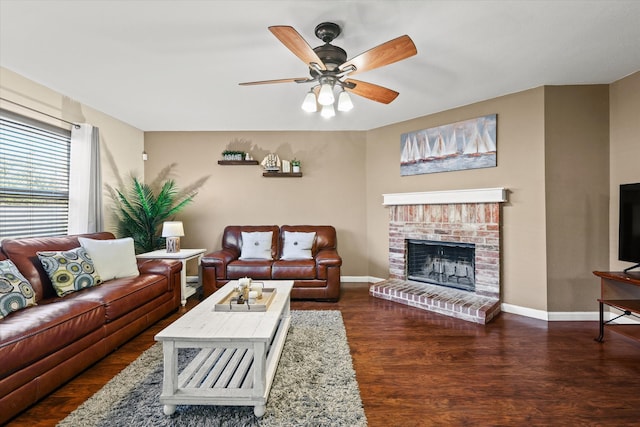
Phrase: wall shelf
[237,162]
[282,175]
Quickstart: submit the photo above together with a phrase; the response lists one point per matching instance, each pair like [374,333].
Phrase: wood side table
[183,256]
[621,291]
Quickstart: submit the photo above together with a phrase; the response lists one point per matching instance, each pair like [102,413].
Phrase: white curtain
[85,181]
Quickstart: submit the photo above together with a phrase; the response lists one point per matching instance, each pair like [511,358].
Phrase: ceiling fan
[329,67]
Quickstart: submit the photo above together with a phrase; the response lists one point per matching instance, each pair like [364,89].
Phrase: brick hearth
[477,223]
[450,302]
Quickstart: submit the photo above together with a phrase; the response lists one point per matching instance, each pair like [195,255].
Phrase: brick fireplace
[466,217]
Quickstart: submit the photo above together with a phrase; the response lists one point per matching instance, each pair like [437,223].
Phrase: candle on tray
[253,295]
[258,289]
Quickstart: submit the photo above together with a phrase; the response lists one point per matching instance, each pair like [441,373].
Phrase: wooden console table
[622,291]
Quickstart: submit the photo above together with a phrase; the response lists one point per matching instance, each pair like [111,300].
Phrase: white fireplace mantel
[478,195]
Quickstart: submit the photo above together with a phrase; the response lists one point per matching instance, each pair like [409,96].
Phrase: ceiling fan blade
[266,82]
[387,53]
[296,44]
[372,91]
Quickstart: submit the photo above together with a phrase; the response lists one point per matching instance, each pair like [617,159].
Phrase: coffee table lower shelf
[233,373]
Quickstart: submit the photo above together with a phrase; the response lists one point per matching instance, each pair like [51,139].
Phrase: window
[34,177]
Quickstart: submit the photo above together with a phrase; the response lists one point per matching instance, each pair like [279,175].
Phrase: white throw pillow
[256,245]
[297,245]
[112,258]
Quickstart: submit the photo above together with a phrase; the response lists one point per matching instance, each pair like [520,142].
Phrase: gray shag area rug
[314,385]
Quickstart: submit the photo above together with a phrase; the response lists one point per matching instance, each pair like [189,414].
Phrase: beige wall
[121,144]
[331,191]
[577,193]
[346,173]
[520,141]
[624,160]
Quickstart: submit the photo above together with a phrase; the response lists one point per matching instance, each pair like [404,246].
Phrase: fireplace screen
[442,263]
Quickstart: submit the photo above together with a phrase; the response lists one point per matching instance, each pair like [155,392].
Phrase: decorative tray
[229,303]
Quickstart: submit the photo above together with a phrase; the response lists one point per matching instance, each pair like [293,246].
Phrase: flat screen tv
[629,237]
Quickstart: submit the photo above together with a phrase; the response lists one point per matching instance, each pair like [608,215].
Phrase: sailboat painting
[469,144]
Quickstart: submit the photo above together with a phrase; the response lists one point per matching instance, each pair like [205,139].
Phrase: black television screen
[629,237]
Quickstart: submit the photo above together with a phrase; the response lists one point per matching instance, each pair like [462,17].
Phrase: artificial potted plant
[295,165]
[141,209]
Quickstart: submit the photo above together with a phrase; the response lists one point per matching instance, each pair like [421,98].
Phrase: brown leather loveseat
[316,277]
[43,346]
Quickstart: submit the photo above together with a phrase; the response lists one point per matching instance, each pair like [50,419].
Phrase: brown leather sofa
[43,346]
[317,278]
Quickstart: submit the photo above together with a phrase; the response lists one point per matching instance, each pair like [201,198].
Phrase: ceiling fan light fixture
[344,102]
[328,111]
[309,104]
[325,96]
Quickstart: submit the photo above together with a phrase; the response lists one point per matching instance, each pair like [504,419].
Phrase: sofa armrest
[328,258]
[219,260]
[214,268]
[328,264]
[169,268]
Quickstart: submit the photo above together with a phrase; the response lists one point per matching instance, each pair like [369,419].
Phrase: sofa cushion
[33,333]
[15,292]
[256,245]
[297,245]
[255,269]
[113,258]
[70,270]
[123,295]
[294,269]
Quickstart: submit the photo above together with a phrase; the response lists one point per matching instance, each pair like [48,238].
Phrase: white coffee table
[183,256]
[238,357]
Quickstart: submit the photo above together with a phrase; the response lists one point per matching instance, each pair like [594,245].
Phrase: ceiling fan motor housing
[327,31]
[332,56]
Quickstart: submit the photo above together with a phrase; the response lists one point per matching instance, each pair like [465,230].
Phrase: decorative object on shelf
[271,163]
[173,230]
[330,69]
[286,166]
[234,155]
[469,144]
[295,165]
[140,209]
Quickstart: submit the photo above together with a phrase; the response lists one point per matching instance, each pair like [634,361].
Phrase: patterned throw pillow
[297,245]
[15,292]
[256,245]
[70,270]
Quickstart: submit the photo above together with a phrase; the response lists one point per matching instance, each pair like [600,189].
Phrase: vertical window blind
[34,177]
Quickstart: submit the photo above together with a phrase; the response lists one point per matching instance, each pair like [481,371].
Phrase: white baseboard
[568,316]
[524,311]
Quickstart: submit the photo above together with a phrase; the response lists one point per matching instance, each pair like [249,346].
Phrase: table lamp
[172,230]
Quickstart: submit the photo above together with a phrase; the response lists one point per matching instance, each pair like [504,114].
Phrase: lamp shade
[309,105]
[328,111]
[344,102]
[325,96]
[172,229]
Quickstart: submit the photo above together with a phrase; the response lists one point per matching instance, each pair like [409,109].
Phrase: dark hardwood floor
[417,368]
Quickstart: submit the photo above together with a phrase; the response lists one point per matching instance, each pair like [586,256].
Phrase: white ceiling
[175,65]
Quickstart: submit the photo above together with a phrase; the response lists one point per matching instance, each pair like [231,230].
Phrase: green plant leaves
[140,210]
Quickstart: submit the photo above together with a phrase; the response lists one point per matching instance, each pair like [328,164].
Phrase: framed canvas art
[469,144]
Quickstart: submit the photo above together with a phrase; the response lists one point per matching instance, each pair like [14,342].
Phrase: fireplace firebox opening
[450,264]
